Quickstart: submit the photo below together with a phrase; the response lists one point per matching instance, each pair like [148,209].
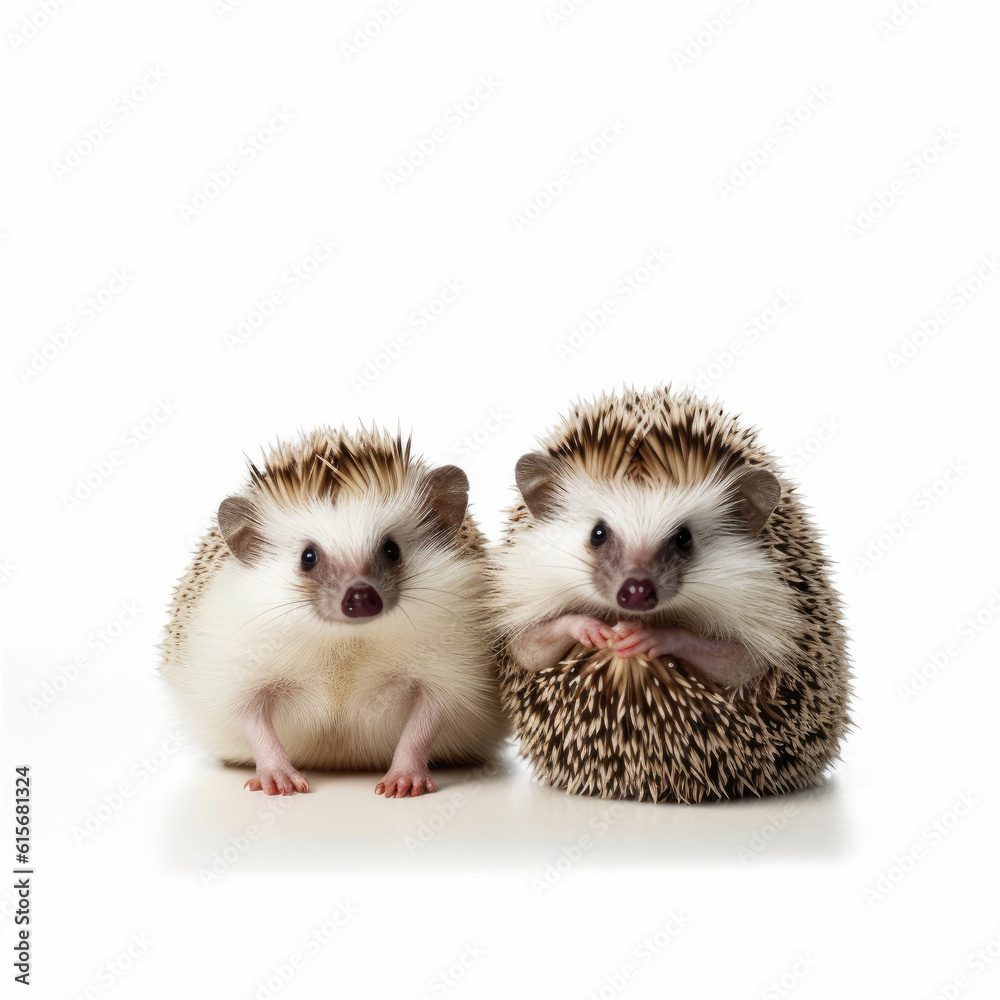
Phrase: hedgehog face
[626,549]
[351,583]
[637,543]
[351,557]
[641,571]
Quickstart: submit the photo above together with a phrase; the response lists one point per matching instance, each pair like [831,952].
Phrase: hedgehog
[662,612]
[332,618]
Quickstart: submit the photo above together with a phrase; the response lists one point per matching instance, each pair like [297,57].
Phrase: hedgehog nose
[361,602]
[637,595]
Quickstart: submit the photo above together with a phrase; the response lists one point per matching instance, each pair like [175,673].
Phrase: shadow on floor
[479,818]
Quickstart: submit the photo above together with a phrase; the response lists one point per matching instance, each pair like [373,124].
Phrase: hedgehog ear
[240,524]
[755,493]
[449,494]
[536,475]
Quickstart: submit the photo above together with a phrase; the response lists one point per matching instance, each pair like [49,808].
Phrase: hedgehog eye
[390,550]
[309,558]
[683,539]
[599,535]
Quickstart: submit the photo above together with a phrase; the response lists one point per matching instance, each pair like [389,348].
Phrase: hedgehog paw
[279,780]
[631,640]
[401,783]
[588,631]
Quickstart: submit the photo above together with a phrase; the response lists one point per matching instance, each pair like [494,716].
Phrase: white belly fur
[340,694]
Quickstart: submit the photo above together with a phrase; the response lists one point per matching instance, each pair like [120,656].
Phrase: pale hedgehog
[333,619]
[667,629]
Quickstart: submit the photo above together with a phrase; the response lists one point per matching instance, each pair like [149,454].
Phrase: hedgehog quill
[333,619]
[667,629]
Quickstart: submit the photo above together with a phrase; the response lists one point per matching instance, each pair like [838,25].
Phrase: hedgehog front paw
[631,640]
[277,780]
[588,631]
[403,782]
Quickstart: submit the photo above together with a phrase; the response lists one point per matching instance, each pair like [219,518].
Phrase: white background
[848,890]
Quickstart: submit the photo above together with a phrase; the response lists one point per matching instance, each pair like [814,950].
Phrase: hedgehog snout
[362,600]
[637,595]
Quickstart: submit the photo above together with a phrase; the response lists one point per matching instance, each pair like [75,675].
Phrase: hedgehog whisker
[263,625]
[510,630]
[584,585]
[409,619]
[436,590]
[275,607]
[572,555]
[552,566]
[566,591]
[290,605]
[440,607]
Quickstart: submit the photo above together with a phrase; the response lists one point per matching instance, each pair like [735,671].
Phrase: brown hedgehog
[667,628]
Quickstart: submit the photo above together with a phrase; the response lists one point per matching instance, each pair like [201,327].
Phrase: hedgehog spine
[662,603]
[333,619]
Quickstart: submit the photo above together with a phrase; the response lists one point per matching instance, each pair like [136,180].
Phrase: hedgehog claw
[589,631]
[408,784]
[631,640]
[277,781]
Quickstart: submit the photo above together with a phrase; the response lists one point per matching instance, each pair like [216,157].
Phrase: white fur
[341,690]
[731,590]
